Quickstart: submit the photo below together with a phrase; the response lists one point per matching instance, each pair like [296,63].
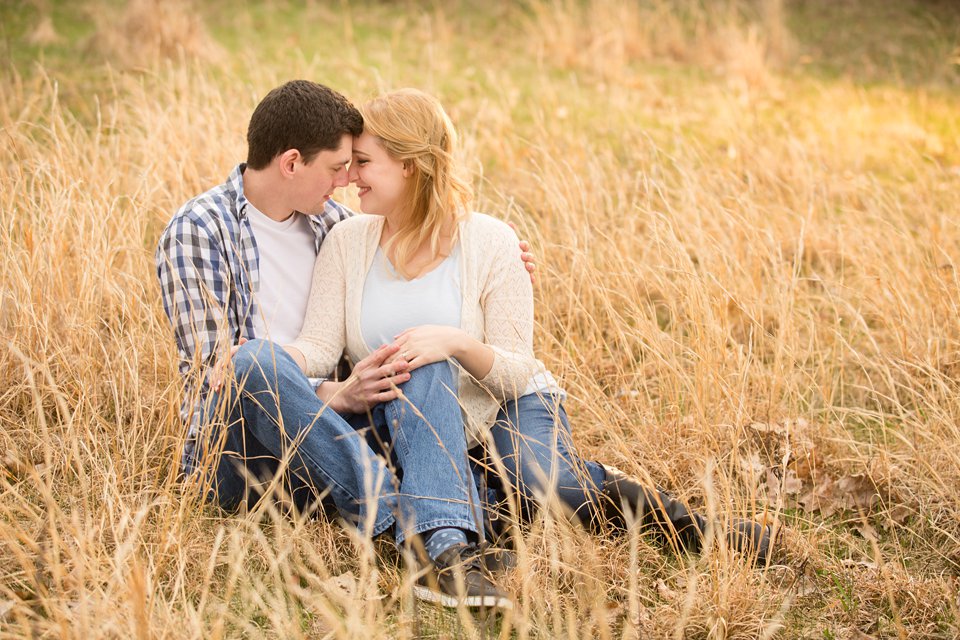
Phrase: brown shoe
[458,577]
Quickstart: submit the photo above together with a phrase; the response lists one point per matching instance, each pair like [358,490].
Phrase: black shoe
[655,508]
[629,502]
[751,539]
[459,578]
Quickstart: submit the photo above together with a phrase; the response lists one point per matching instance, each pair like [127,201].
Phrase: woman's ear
[407,168]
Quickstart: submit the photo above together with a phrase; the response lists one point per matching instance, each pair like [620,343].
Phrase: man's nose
[352,174]
[342,178]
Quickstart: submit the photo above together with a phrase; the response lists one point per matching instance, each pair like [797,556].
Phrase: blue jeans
[422,433]
[273,413]
[532,441]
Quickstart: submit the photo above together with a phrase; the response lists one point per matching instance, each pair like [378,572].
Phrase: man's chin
[318,208]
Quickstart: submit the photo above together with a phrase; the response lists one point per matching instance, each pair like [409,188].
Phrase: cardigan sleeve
[323,336]
[506,300]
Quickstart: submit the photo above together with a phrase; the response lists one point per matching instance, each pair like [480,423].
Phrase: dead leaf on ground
[855,492]
[778,489]
[895,515]
[866,564]
[345,583]
[346,586]
[820,498]
[858,492]
[665,592]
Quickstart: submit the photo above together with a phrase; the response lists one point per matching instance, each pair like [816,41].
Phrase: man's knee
[256,360]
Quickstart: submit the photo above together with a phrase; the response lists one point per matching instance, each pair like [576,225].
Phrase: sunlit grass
[747,281]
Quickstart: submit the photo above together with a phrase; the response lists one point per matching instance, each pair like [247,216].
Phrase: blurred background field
[745,215]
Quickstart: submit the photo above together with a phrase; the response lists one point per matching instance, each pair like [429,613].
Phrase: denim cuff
[466,525]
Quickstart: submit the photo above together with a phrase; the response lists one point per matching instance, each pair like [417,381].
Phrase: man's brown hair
[301,115]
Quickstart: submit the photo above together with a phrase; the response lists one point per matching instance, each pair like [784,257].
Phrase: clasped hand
[375,379]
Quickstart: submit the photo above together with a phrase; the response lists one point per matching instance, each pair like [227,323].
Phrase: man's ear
[288,161]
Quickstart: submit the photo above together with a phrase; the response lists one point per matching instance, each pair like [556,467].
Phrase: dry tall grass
[748,283]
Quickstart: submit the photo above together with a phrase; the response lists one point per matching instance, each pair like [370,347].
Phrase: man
[235,266]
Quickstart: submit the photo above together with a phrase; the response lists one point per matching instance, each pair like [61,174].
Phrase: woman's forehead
[366,143]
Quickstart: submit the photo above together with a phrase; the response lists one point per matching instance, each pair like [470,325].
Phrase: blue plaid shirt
[208,266]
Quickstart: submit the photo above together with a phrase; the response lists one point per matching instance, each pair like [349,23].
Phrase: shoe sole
[474,602]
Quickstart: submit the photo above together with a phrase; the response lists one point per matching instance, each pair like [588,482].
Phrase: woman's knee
[553,478]
[431,388]
[435,371]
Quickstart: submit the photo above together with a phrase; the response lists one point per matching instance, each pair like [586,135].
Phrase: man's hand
[529,260]
[219,370]
[374,380]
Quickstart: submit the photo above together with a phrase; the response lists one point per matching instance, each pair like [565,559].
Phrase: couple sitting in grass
[433,306]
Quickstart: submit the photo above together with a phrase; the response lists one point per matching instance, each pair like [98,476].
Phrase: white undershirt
[287,255]
[392,303]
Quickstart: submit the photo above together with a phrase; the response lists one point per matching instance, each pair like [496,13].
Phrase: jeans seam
[399,435]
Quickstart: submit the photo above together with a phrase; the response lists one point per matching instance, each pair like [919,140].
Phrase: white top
[544,383]
[496,308]
[391,303]
[287,255]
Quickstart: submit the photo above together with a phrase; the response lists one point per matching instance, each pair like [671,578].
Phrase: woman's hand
[429,343]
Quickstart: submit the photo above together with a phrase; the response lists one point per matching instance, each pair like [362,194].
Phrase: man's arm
[194,290]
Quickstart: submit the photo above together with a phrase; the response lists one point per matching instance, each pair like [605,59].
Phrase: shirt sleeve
[323,336]
[194,288]
[507,304]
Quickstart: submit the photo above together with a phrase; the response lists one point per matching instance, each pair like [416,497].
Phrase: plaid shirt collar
[321,223]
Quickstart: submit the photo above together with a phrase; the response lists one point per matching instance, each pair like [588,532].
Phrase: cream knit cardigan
[497,309]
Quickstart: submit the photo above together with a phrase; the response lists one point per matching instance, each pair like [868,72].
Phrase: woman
[397,271]
[446,286]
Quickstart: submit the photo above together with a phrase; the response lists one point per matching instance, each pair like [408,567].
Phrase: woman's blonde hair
[413,128]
